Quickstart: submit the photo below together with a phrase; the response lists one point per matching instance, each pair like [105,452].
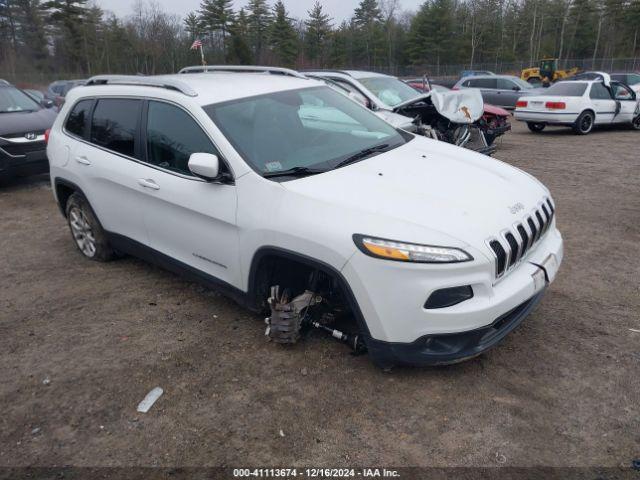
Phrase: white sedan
[581,104]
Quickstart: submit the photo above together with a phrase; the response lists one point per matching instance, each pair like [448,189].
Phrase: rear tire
[584,123]
[536,127]
[635,123]
[86,231]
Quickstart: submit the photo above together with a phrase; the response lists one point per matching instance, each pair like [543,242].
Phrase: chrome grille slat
[513,244]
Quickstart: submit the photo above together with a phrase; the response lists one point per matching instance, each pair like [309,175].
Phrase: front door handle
[148,183]
[83,160]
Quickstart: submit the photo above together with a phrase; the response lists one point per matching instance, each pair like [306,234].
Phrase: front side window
[14,100]
[389,90]
[599,92]
[78,118]
[172,136]
[621,91]
[505,84]
[314,127]
[115,123]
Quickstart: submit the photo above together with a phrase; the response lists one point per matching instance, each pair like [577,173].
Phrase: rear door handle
[83,160]
[148,183]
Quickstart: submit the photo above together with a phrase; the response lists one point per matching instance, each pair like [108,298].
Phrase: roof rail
[326,70]
[143,81]
[242,69]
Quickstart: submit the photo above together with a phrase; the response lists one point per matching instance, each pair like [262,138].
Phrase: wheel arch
[267,253]
[63,190]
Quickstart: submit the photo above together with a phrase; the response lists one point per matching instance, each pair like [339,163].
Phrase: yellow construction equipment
[547,72]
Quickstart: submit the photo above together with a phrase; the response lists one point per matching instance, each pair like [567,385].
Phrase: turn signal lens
[409,252]
[46,135]
[521,104]
[556,105]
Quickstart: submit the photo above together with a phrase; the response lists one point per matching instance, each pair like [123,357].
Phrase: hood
[425,190]
[395,119]
[493,110]
[24,122]
[459,106]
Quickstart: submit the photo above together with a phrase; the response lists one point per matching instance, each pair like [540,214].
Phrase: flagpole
[202,56]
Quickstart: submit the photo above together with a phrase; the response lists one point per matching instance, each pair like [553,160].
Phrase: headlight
[409,252]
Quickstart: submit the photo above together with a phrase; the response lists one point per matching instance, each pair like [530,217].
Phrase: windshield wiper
[362,154]
[293,172]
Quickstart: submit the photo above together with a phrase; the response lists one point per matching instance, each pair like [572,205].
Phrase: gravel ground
[81,343]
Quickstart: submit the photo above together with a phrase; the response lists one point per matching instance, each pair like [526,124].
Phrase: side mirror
[204,165]
[46,103]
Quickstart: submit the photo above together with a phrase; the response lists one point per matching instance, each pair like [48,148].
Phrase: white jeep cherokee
[236,180]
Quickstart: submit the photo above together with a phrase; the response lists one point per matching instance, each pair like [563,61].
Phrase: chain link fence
[451,71]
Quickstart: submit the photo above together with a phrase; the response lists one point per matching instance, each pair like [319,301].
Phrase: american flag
[196,44]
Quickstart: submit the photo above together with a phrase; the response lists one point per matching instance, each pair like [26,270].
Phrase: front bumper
[28,160]
[453,347]
[391,297]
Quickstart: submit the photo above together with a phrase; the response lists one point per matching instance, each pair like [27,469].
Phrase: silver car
[500,90]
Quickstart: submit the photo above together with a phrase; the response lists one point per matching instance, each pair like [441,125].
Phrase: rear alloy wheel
[536,127]
[86,230]
[584,124]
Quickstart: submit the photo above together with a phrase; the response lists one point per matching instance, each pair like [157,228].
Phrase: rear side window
[566,89]
[172,136]
[599,92]
[115,123]
[483,83]
[78,118]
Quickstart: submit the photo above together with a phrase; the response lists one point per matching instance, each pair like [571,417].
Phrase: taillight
[556,105]
[521,104]
[46,135]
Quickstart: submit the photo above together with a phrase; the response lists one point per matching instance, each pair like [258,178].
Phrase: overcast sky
[338,9]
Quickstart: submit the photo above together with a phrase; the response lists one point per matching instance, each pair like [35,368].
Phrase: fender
[265,251]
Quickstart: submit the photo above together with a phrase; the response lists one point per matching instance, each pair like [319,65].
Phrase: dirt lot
[81,343]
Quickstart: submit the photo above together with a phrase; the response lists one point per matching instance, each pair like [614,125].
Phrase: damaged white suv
[297,201]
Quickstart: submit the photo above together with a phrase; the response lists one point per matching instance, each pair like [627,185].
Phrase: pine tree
[259,20]
[283,39]
[192,25]
[239,51]
[317,34]
[67,17]
[367,21]
[31,32]
[216,17]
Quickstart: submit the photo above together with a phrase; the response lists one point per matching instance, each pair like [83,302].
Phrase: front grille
[21,149]
[514,243]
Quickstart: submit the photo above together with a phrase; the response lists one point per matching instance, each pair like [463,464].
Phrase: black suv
[23,123]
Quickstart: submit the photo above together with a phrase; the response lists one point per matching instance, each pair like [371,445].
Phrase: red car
[494,122]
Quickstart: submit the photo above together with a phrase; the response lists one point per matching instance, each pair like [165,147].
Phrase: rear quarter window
[78,119]
[115,124]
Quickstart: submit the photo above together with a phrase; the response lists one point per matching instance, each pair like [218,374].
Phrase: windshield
[315,128]
[13,100]
[566,89]
[389,90]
